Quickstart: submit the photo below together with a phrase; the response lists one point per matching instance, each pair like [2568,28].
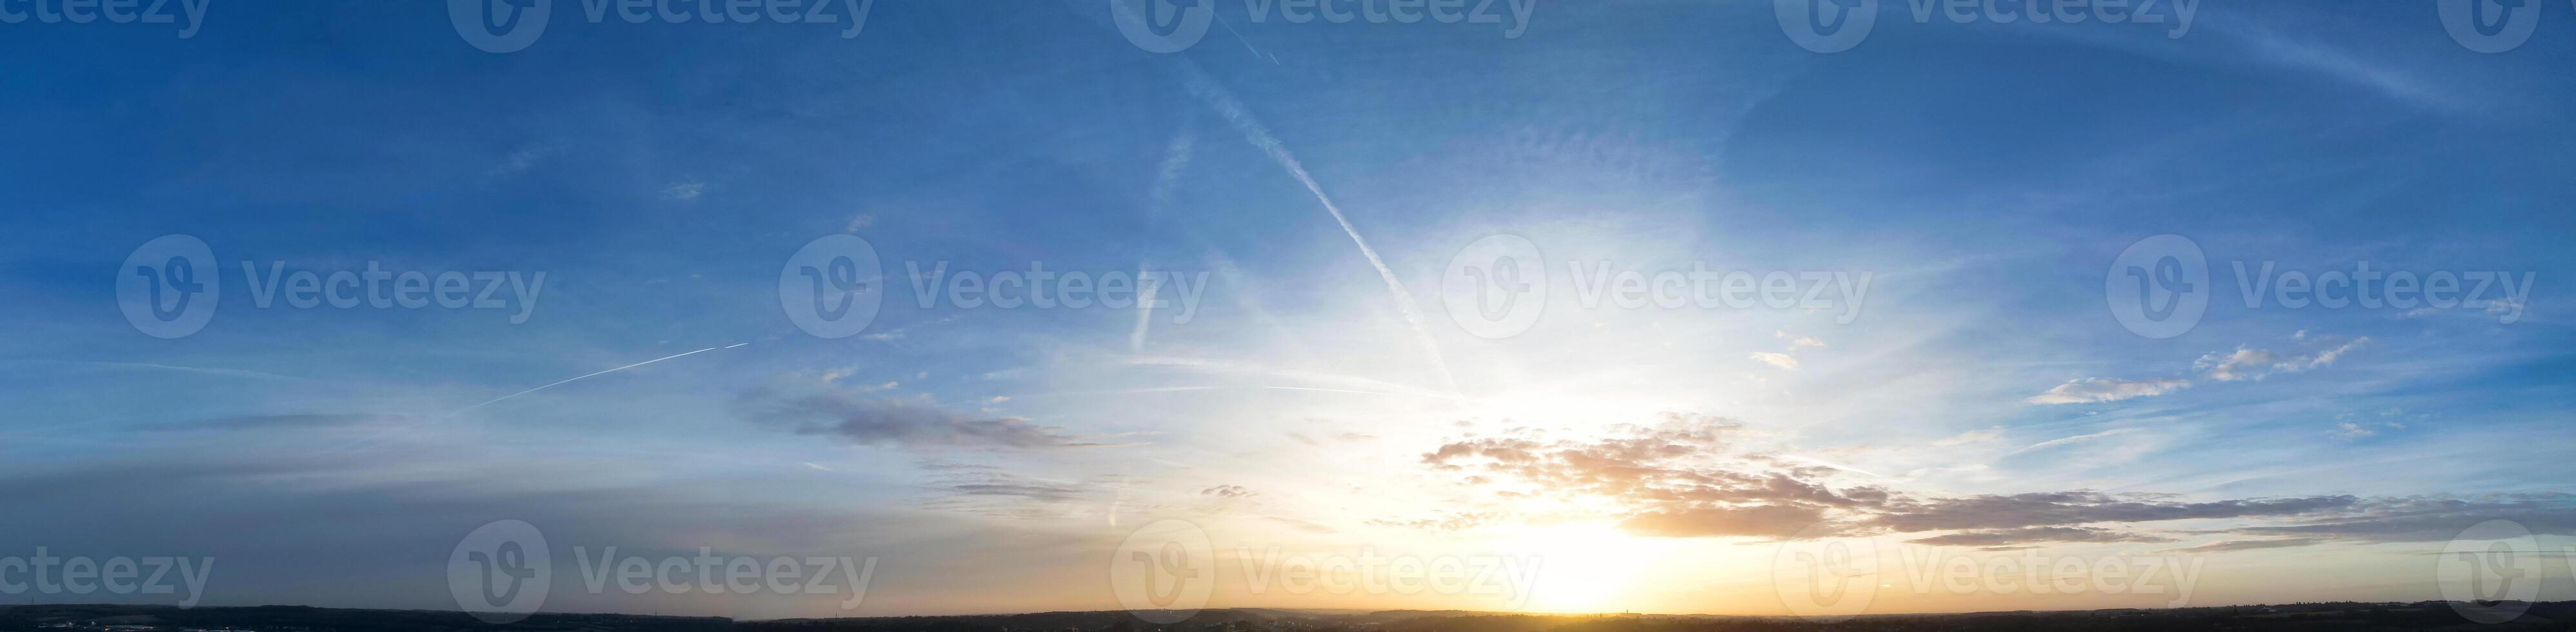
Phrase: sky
[1439,310]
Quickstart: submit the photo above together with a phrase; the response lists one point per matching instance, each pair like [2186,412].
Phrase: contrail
[460,411]
[1224,103]
[577,379]
[1144,309]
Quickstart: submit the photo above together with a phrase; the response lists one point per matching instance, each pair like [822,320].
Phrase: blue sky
[1985,175]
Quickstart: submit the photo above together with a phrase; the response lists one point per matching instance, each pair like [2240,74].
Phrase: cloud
[2083,507]
[2245,545]
[1972,436]
[1798,342]
[2432,518]
[2030,535]
[1781,360]
[685,190]
[886,421]
[1754,520]
[2095,390]
[1228,491]
[1682,478]
[2247,363]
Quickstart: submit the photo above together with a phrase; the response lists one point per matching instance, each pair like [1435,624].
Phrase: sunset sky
[1309,388]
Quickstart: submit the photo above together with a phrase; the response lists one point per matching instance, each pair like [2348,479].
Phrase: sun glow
[1586,567]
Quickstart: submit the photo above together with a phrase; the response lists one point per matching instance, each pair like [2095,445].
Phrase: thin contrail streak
[461,411]
[1260,137]
[577,379]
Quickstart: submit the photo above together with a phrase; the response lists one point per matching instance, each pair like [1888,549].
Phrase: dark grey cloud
[2246,545]
[2081,507]
[894,422]
[2030,535]
[1770,521]
[2431,518]
[1680,479]
[1228,491]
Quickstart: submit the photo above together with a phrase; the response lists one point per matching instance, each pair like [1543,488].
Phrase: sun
[1581,567]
